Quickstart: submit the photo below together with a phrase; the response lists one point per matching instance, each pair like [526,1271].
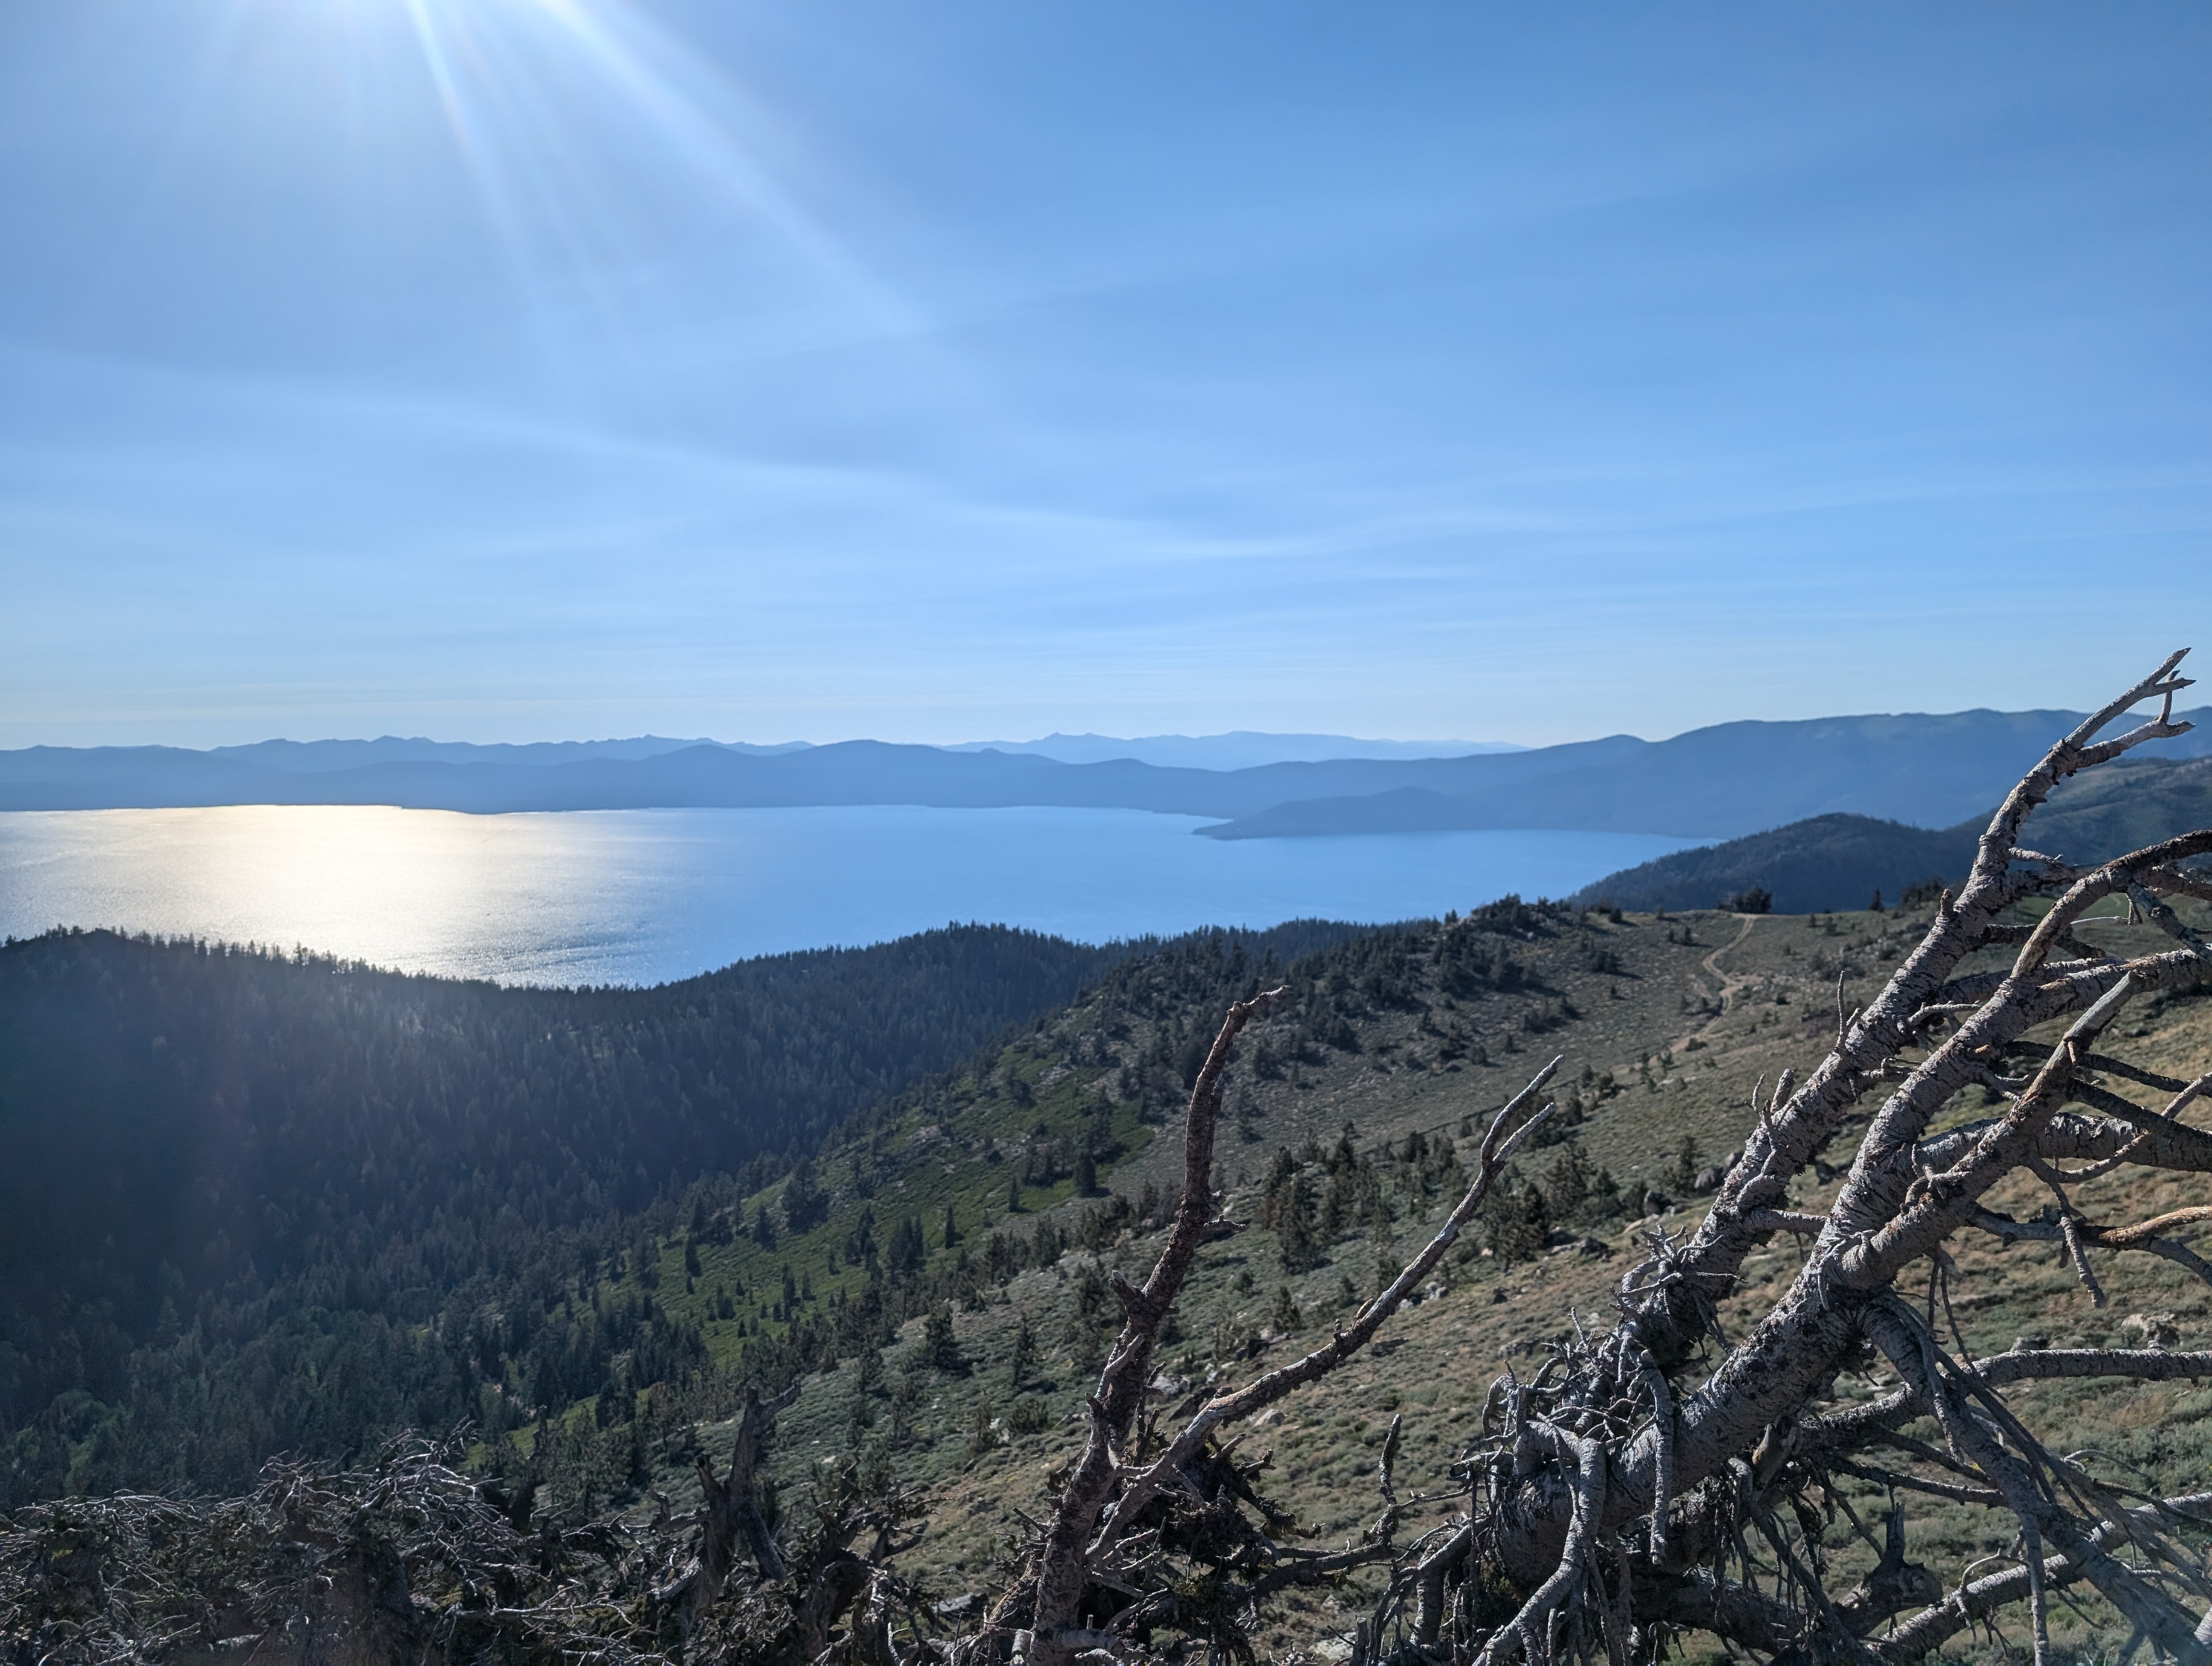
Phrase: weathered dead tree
[1658,1478]
[730,1516]
[411,1563]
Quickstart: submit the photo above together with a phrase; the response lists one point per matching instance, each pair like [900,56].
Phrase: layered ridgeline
[255,1204]
[1843,861]
[252,1203]
[1718,782]
[937,1282]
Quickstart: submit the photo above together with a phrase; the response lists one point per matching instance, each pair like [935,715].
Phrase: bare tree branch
[1498,1144]
[1061,1562]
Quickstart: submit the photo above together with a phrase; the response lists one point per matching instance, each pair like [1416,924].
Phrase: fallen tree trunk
[1615,1492]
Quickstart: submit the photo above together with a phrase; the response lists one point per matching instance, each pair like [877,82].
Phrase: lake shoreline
[644,896]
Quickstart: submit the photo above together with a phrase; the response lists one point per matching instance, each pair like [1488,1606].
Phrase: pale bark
[1615,1491]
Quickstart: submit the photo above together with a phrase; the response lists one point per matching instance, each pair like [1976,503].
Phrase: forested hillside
[1841,862]
[238,1191]
[1823,863]
[934,1278]
[950,1303]
[1016,1171]
[255,1204]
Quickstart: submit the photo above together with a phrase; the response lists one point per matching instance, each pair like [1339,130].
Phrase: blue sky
[514,369]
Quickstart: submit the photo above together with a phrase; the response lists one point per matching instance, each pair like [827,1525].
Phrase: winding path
[1728,981]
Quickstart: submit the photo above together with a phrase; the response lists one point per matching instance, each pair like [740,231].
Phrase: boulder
[2154,1330]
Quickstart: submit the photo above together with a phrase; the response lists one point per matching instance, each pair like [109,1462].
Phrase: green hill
[934,1274]
[961,1365]
[241,1194]
[1824,864]
[1837,862]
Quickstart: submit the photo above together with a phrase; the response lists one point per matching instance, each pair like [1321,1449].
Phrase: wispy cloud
[570,365]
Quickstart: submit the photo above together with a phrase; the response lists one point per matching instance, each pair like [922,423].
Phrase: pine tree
[907,1252]
[940,1346]
[982,1437]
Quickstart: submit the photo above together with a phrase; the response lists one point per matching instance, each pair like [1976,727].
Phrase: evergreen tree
[982,1434]
[906,1252]
[940,1346]
[1294,1228]
[804,1201]
[1515,1222]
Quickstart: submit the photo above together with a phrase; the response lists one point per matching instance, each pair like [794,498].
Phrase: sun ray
[485,59]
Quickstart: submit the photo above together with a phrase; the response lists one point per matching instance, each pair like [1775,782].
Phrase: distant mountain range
[1240,748]
[1834,863]
[1716,783]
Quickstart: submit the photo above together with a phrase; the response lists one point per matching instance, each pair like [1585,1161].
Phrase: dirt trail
[1730,981]
[1729,984]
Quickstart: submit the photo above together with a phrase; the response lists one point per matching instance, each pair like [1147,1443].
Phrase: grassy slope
[1779,974]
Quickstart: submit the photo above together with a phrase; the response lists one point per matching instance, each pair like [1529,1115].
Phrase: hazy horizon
[1083,736]
[715,740]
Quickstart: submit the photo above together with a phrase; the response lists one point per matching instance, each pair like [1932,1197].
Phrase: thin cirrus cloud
[510,369]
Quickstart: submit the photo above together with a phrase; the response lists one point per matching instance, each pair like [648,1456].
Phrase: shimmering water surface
[643,896]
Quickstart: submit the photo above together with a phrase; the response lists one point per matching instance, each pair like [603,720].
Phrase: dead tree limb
[1506,1132]
[1743,1456]
[1658,1476]
[1062,1564]
[730,1515]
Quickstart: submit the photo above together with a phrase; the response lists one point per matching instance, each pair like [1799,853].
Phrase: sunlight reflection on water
[643,896]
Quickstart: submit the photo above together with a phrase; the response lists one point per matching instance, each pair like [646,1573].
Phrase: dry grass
[1438,1358]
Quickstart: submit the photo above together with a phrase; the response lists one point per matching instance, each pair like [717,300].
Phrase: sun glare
[542,97]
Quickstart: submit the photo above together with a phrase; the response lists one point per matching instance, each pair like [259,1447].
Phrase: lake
[646,896]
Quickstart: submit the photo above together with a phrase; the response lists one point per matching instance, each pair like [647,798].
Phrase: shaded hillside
[1828,862]
[1834,862]
[204,1145]
[237,1192]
